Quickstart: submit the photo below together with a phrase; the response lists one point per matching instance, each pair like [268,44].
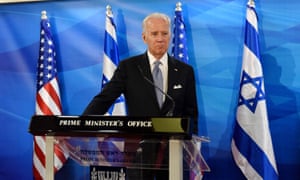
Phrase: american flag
[111,60]
[47,99]
[179,51]
[251,145]
[179,42]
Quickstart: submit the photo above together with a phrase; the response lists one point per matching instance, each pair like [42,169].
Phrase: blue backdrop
[215,30]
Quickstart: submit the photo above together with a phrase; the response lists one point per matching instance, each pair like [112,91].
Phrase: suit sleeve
[100,104]
[191,107]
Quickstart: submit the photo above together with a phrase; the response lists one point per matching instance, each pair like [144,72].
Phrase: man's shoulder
[138,56]
[134,58]
[179,63]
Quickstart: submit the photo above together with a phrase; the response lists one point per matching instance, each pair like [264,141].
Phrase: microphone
[170,112]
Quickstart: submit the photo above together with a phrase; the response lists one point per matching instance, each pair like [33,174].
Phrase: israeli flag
[111,60]
[252,147]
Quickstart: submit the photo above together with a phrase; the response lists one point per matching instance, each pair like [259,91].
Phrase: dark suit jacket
[140,95]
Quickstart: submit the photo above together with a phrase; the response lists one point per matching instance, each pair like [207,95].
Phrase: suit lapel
[146,71]
[145,66]
[172,77]
[173,73]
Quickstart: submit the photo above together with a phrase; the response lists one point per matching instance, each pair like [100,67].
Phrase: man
[133,77]
[140,95]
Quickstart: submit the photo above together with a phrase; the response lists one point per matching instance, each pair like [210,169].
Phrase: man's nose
[161,37]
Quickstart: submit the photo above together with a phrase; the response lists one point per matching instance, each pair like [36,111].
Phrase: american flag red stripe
[38,150]
[48,94]
[47,100]
[38,159]
[56,99]
[48,103]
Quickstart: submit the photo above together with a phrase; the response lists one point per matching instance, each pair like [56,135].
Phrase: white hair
[158,16]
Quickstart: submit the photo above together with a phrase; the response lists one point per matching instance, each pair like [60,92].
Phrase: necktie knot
[156,69]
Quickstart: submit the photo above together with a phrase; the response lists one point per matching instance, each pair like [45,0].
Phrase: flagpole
[44,15]
[108,11]
[251,3]
[178,6]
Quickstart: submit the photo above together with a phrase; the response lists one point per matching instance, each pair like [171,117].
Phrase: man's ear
[144,37]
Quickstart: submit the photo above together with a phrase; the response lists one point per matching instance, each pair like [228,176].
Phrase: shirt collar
[163,59]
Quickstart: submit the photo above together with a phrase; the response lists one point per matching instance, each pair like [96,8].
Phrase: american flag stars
[47,63]
[179,46]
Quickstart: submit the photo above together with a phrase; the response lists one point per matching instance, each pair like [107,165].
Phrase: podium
[137,133]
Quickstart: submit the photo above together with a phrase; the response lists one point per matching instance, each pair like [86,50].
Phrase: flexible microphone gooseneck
[170,112]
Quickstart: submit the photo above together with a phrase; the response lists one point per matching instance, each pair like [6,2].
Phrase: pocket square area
[178,86]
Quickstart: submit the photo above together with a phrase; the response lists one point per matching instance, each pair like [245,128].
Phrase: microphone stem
[170,112]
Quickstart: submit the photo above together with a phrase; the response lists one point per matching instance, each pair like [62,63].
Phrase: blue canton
[179,42]
[47,61]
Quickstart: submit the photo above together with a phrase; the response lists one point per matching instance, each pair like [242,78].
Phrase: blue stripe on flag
[111,49]
[251,40]
[112,152]
[111,20]
[256,157]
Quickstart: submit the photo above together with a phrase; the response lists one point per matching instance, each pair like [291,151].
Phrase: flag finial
[44,14]
[108,10]
[178,6]
[251,3]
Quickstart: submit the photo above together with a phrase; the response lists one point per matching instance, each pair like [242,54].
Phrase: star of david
[251,91]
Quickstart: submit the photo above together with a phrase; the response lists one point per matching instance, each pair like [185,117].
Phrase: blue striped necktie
[158,81]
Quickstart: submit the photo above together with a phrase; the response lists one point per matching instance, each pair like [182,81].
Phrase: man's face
[157,36]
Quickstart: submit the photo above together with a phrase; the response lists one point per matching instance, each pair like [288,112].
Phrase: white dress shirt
[163,67]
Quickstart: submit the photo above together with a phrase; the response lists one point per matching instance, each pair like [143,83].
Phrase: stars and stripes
[111,60]
[179,47]
[47,99]
[179,51]
[251,145]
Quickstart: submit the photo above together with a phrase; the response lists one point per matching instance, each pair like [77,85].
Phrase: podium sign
[118,125]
